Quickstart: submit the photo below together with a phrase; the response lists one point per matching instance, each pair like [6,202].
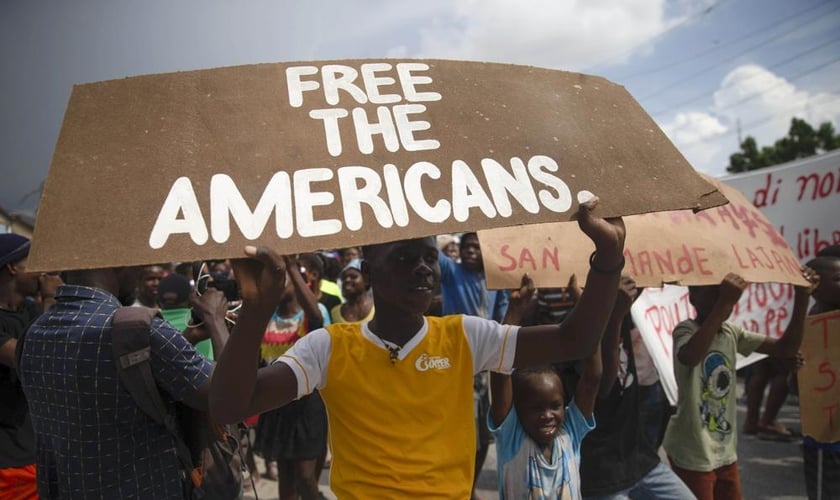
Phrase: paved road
[769,470]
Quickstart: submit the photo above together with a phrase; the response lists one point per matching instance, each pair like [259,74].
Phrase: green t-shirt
[701,435]
[179,318]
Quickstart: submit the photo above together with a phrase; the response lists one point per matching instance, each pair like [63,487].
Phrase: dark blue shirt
[465,292]
[93,441]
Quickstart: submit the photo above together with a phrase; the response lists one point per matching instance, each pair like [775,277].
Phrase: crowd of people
[393,365]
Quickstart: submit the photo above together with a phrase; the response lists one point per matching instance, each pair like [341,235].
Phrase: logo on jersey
[426,362]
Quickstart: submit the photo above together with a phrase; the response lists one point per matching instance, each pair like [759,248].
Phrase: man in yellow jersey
[398,388]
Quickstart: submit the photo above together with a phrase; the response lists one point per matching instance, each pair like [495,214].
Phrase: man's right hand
[262,278]
[607,234]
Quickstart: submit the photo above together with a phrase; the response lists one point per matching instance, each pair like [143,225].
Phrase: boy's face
[828,291]
[404,274]
[471,253]
[703,298]
[540,406]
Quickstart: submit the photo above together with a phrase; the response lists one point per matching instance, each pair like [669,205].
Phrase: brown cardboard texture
[819,392]
[678,247]
[308,155]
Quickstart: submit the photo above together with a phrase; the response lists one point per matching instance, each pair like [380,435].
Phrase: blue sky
[699,67]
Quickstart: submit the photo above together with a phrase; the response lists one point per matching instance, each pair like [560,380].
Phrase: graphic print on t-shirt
[717,382]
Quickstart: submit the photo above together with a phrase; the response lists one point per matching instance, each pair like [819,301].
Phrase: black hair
[313,262]
[332,267]
[831,251]
[821,263]
[522,376]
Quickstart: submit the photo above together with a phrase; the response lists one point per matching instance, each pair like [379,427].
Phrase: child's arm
[788,344]
[305,297]
[501,388]
[578,336]
[627,293]
[697,346]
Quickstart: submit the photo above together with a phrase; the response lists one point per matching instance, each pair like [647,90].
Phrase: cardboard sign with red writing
[301,156]
[671,247]
[819,390]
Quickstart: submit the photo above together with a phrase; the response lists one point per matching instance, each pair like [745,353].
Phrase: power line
[735,56]
[703,95]
[696,15]
[698,55]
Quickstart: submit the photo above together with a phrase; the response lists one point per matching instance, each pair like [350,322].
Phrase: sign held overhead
[300,156]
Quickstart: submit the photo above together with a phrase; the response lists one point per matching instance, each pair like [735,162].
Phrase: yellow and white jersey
[401,421]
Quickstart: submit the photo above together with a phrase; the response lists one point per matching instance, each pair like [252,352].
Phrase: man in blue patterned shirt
[93,441]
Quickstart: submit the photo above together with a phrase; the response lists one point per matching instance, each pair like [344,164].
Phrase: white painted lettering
[227,203]
[181,199]
[353,196]
[408,81]
[339,77]
[406,128]
[562,200]
[467,192]
[373,82]
[330,117]
[366,130]
[297,86]
[502,183]
[414,178]
[396,196]
[306,200]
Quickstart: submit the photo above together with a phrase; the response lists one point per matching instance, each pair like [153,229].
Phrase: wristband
[616,270]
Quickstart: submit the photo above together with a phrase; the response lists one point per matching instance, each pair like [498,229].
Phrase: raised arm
[578,336]
[238,389]
[788,344]
[307,300]
[610,358]
[501,389]
[729,292]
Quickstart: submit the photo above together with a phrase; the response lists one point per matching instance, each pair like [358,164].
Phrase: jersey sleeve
[682,334]
[178,368]
[308,360]
[508,436]
[493,345]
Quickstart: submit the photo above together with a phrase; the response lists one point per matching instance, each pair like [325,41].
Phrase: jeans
[660,483]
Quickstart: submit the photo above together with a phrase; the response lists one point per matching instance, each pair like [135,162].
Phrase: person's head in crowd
[827,292]
[470,252]
[349,254]
[185,269]
[220,268]
[332,267]
[539,399]
[147,285]
[312,269]
[119,281]
[14,253]
[403,274]
[703,298]
[830,251]
[174,292]
[353,282]
[448,244]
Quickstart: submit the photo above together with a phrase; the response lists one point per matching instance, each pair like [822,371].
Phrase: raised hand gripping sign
[300,156]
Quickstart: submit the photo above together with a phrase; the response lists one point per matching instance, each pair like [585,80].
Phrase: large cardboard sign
[819,390]
[301,156]
[670,247]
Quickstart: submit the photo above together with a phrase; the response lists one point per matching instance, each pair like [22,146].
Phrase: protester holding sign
[619,460]
[701,439]
[822,459]
[416,372]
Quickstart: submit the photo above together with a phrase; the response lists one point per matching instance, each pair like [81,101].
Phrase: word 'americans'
[393,195]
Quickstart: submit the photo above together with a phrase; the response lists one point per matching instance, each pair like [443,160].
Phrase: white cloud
[761,101]
[550,33]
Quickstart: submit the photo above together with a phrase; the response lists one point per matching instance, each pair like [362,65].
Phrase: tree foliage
[801,141]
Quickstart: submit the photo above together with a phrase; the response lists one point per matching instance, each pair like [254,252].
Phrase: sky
[708,71]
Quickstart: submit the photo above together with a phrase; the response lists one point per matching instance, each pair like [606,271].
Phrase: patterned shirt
[93,440]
